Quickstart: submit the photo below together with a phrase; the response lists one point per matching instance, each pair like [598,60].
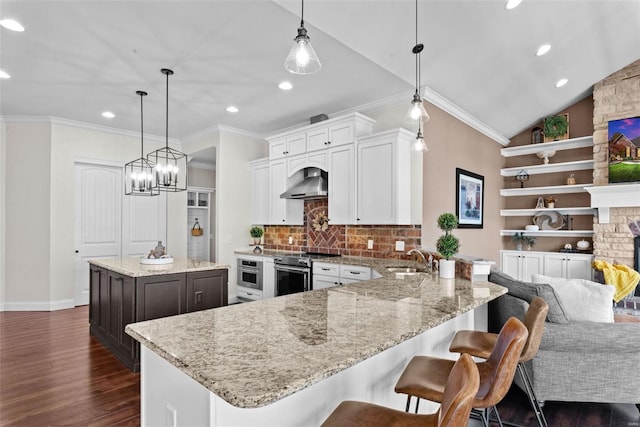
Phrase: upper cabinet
[560,185]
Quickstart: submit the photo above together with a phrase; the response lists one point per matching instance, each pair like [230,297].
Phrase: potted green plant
[520,239]
[256,232]
[447,245]
[555,127]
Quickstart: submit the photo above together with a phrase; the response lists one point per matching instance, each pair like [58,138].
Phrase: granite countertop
[131,266]
[237,351]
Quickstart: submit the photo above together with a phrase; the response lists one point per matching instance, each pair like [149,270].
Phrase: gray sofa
[576,362]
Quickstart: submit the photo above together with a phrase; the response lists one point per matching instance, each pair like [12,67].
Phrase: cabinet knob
[77,251]
[283,220]
[328,142]
[357,219]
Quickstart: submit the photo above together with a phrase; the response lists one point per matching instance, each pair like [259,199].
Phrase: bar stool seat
[461,387]
[425,376]
[480,344]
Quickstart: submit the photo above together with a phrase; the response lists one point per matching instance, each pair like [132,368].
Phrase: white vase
[447,268]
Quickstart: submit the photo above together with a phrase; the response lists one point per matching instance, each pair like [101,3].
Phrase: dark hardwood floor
[52,373]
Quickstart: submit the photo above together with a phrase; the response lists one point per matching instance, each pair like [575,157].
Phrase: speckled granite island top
[131,266]
[255,353]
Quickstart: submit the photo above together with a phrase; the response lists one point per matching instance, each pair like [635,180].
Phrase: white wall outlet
[291,240]
[399,245]
[370,244]
[170,416]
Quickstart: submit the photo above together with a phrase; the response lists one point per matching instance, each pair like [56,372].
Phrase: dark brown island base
[123,291]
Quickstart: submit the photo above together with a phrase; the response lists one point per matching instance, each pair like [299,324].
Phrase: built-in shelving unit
[571,166]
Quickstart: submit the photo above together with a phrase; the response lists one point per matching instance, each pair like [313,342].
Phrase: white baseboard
[38,306]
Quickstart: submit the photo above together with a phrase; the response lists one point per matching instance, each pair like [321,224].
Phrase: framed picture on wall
[624,155]
[469,199]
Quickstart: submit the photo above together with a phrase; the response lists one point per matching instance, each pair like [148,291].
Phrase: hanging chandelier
[138,174]
[302,59]
[170,169]
[417,112]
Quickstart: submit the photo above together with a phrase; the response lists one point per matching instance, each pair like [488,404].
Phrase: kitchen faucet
[428,264]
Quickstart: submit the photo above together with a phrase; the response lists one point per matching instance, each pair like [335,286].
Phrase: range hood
[313,186]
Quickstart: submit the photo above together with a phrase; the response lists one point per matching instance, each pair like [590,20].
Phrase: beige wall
[453,144]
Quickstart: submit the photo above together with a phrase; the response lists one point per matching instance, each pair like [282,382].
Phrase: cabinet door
[340,134]
[207,289]
[114,326]
[317,139]
[326,269]
[161,296]
[510,264]
[277,148]
[260,193]
[579,267]
[323,282]
[342,203]
[376,182]
[531,264]
[555,265]
[296,144]
[97,278]
[282,211]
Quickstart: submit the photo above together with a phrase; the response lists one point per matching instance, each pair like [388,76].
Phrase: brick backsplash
[615,97]
[347,240]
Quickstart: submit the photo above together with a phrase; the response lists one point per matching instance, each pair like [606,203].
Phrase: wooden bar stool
[460,390]
[425,376]
[480,344]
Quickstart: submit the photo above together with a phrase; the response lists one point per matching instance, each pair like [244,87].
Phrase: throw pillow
[527,291]
[583,300]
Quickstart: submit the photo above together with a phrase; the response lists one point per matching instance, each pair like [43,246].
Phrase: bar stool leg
[542,422]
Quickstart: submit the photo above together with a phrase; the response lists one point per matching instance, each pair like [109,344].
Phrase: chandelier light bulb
[302,55]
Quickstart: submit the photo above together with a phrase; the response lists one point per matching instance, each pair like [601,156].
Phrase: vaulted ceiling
[77,59]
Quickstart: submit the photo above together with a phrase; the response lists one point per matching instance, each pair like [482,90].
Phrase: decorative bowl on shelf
[549,220]
[166,259]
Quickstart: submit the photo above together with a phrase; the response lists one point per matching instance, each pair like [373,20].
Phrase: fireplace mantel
[613,196]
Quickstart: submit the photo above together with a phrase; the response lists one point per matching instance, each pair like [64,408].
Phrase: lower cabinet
[327,275]
[116,300]
[522,264]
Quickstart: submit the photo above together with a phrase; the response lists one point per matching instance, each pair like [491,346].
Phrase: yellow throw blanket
[623,278]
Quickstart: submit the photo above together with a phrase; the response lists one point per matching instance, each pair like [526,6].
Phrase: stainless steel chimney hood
[313,186]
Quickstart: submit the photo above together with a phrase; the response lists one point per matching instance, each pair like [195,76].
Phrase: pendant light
[417,112]
[302,59]
[138,174]
[170,164]
[420,145]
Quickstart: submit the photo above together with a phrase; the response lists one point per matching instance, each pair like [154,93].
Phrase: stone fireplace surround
[615,97]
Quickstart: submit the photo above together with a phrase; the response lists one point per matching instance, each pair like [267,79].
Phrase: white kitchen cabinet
[260,193]
[389,179]
[290,145]
[327,275]
[522,264]
[342,185]
[331,136]
[282,211]
[568,265]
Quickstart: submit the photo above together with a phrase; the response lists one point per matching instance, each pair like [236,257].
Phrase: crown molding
[84,125]
[221,128]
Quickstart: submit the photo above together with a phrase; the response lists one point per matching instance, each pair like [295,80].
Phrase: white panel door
[143,224]
[98,231]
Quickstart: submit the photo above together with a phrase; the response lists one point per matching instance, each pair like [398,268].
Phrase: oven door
[290,280]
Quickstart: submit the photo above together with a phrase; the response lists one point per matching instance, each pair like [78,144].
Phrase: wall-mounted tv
[624,155]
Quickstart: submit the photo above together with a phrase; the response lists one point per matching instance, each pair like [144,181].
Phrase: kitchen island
[290,360]
[122,291]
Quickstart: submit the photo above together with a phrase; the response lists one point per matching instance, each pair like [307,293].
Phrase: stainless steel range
[293,271]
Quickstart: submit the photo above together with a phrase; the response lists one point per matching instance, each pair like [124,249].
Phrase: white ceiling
[79,58]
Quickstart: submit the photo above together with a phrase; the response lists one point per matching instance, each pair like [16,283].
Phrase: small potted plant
[520,239]
[447,245]
[256,232]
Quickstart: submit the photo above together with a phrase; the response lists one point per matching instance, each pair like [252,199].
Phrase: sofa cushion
[583,300]
[527,291]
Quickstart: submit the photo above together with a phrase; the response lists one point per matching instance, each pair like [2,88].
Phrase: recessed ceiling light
[108,115]
[562,82]
[11,24]
[285,86]
[512,4]
[232,109]
[4,75]
[543,49]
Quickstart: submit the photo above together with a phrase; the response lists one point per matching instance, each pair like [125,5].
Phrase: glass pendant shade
[302,58]
[138,174]
[417,113]
[419,144]
[170,170]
